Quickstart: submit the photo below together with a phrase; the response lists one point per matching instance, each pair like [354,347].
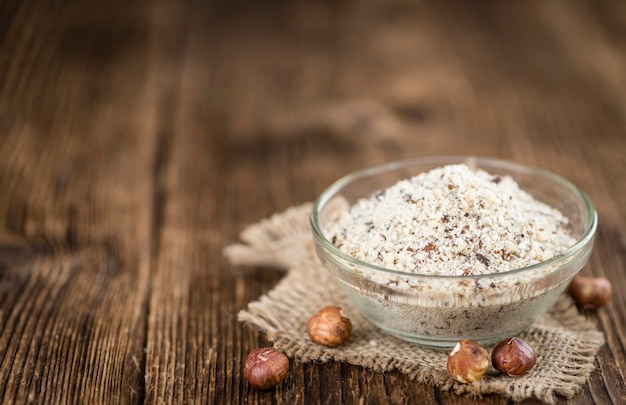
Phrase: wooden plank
[138,140]
[257,131]
[76,179]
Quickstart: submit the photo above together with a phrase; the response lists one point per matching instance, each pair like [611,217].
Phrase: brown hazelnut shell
[513,357]
[265,367]
[468,361]
[590,291]
[329,327]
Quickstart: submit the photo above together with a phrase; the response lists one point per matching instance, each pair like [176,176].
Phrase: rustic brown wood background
[138,138]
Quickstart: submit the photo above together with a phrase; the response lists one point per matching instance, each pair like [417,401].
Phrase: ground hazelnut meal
[452,221]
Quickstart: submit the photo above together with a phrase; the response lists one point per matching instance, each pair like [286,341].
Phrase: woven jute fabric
[565,341]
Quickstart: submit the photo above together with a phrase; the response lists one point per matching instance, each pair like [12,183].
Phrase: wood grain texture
[75,176]
[138,139]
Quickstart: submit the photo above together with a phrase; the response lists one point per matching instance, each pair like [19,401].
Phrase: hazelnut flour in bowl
[439,249]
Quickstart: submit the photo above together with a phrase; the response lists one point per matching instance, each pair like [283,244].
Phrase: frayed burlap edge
[566,342]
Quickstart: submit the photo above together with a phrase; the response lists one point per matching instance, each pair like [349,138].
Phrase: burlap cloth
[566,342]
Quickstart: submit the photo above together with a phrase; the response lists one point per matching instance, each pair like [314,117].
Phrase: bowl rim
[587,235]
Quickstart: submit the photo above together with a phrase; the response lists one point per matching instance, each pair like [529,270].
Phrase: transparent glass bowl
[438,311]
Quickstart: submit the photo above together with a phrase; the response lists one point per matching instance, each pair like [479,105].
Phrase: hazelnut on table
[265,367]
[329,327]
[513,357]
[468,361]
[590,291]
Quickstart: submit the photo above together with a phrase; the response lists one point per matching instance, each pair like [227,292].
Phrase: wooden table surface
[137,139]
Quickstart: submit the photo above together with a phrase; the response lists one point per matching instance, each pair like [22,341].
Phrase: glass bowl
[438,311]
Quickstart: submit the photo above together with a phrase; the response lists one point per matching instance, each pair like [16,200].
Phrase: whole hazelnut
[265,367]
[468,361]
[329,327]
[513,357]
[590,291]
